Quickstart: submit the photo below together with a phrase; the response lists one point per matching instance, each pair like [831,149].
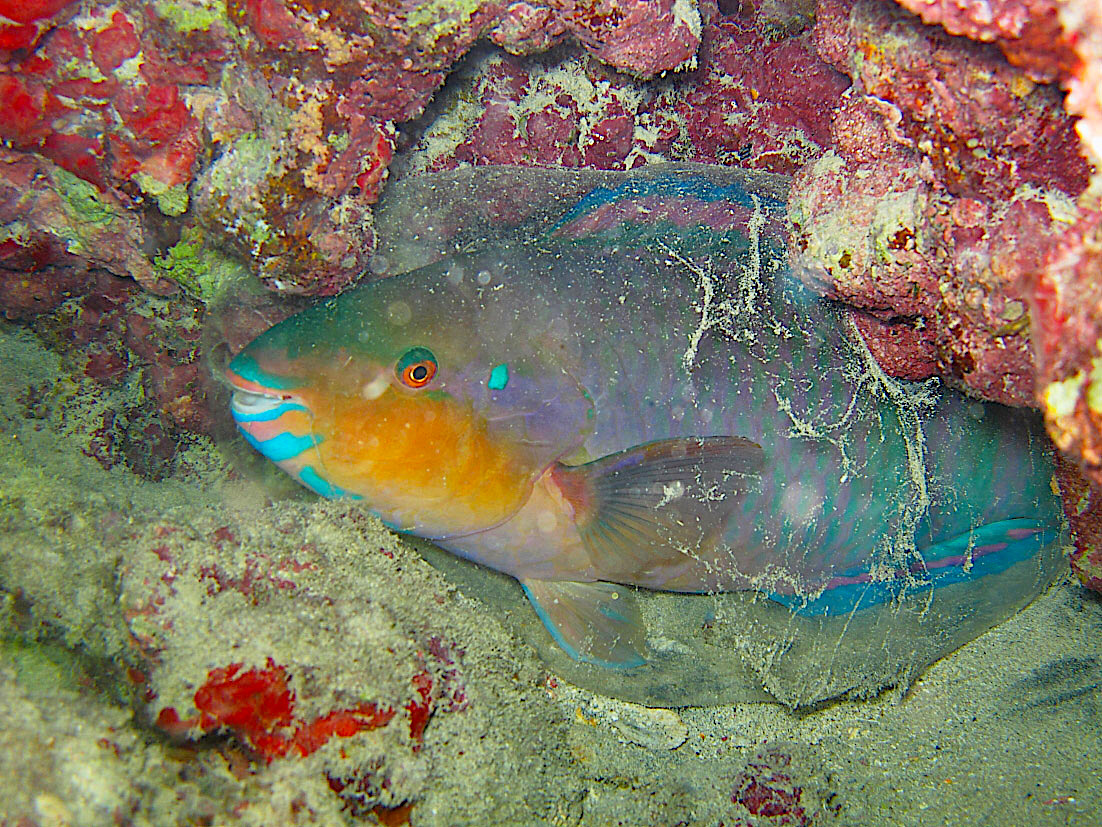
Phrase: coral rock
[1066,309]
[953,179]
[1083,506]
[737,108]
[1028,32]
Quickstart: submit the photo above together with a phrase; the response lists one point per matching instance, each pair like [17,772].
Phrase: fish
[633,390]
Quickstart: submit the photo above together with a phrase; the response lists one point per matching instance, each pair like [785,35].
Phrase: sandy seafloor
[102,569]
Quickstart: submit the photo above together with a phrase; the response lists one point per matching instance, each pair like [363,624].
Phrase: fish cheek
[424,463]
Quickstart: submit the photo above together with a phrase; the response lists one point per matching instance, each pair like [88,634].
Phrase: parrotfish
[640,394]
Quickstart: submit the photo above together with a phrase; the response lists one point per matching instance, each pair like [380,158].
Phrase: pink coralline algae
[64,224]
[765,793]
[545,117]
[258,705]
[641,37]
[1028,32]
[738,108]
[744,109]
[985,128]
[953,174]
[97,102]
[26,21]
[268,125]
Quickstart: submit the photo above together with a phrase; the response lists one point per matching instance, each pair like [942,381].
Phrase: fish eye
[416,367]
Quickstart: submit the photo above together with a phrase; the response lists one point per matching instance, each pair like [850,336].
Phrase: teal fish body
[597,408]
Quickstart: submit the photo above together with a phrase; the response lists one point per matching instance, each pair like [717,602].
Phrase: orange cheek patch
[412,456]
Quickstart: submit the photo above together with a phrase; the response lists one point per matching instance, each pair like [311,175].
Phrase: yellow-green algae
[85,211]
[171,200]
[194,15]
[1094,384]
[201,270]
[439,18]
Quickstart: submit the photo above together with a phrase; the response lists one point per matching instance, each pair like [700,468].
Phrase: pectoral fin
[596,623]
[639,509]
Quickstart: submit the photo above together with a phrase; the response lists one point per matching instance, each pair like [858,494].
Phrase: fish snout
[261,414]
[276,421]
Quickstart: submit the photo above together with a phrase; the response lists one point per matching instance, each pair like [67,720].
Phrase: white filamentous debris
[670,492]
[906,405]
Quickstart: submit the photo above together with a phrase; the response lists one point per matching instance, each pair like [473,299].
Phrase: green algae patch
[201,271]
[171,200]
[252,161]
[339,141]
[194,15]
[1094,384]
[16,231]
[1061,397]
[82,201]
[83,209]
[174,200]
[440,18]
[42,668]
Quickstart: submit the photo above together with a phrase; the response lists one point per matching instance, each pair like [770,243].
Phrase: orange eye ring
[419,374]
[416,368]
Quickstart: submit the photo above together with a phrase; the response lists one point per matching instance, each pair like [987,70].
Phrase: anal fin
[596,623]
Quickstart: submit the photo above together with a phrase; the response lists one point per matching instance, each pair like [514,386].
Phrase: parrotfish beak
[270,416]
[276,421]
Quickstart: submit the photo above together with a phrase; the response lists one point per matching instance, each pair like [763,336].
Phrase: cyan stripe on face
[270,414]
[245,366]
[283,446]
[312,480]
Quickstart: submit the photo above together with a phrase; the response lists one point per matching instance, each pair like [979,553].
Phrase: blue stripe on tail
[994,548]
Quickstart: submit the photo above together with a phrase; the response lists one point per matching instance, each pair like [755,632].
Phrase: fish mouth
[250,403]
[252,395]
[256,411]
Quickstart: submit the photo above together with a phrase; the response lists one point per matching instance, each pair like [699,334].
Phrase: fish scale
[662,324]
